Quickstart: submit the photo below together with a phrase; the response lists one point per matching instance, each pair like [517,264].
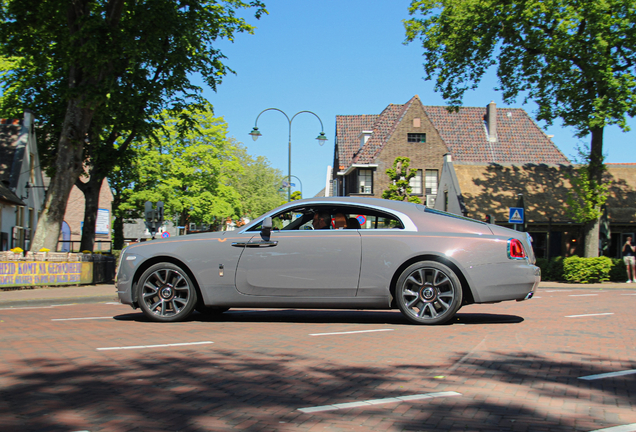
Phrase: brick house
[71,232]
[476,162]
[21,183]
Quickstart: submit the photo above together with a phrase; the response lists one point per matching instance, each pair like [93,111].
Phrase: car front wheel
[428,292]
[166,293]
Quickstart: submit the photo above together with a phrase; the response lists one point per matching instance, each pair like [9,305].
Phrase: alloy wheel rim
[428,293]
[166,292]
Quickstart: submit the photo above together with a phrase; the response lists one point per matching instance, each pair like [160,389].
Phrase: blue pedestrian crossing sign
[516,215]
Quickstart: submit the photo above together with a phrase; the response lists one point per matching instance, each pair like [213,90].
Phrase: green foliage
[600,269]
[586,270]
[257,184]
[201,175]
[587,196]
[126,61]
[189,170]
[400,175]
[552,269]
[296,195]
[618,273]
[576,60]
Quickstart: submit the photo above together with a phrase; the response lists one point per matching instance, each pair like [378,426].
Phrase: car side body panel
[349,268]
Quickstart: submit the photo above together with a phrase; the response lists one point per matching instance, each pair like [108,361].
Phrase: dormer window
[364,137]
[417,137]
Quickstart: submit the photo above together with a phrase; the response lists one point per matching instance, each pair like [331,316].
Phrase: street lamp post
[321,138]
[301,185]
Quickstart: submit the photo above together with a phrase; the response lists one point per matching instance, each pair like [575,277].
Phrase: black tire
[428,292]
[211,310]
[166,293]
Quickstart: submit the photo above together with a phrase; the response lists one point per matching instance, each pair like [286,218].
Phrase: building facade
[478,162]
[21,184]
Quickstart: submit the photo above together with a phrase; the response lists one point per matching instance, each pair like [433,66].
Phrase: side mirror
[266,228]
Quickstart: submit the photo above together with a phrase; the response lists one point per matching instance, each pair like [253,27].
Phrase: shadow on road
[328,317]
[231,390]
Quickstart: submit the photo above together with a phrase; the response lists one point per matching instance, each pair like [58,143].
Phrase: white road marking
[154,346]
[588,315]
[350,332]
[87,318]
[466,356]
[377,402]
[622,428]
[36,307]
[608,375]
[582,295]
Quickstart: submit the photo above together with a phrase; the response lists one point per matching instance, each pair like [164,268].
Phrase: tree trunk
[91,190]
[591,241]
[591,229]
[118,231]
[68,166]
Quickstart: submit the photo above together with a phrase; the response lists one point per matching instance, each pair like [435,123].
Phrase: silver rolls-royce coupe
[333,253]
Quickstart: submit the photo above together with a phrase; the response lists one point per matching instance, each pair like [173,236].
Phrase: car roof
[402,206]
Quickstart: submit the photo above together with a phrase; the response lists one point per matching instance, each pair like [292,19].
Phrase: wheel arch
[155,260]
[466,291]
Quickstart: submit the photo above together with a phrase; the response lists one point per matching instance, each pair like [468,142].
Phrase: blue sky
[340,57]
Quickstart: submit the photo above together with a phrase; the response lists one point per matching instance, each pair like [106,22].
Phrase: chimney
[491,121]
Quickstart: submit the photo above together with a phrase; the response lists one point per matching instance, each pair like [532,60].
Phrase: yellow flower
[17,250]
[45,250]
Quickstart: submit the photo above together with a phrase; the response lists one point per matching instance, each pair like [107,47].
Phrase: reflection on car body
[374,254]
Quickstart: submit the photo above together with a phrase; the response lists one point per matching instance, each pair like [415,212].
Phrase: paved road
[502,367]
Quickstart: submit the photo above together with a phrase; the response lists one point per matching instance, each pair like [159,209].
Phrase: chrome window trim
[406,221]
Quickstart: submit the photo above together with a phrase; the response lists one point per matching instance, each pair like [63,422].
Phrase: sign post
[515,216]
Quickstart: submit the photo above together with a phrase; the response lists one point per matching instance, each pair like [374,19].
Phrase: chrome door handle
[255,244]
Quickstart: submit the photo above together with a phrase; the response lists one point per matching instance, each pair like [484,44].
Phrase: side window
[294,219]
[337,217]
[368,219]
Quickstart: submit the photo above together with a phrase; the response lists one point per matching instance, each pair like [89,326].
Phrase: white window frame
[416,183]
[365,181]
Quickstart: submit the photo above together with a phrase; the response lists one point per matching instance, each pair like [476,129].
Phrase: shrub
[586,270]
[543,264]
[619,271]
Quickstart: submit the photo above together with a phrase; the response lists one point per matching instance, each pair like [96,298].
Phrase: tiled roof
[348,128]
[519,139]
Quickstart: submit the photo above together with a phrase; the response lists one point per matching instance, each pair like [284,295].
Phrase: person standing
[629,252]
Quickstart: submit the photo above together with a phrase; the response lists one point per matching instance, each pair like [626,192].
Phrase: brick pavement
[516,365]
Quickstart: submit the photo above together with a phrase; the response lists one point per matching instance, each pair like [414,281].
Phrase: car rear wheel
[428,292]
[166,293]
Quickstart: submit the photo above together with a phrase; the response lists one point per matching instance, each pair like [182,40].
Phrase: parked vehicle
[371,254]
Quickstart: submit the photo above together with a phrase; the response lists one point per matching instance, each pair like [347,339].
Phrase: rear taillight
[515,249]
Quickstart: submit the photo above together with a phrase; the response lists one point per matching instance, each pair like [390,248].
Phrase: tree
[400,176]
[258,184]
[202,176]
[586,198]
[576,60]
[94,70]
[190,171]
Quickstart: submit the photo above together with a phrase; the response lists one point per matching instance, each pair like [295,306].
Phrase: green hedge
[582,270]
